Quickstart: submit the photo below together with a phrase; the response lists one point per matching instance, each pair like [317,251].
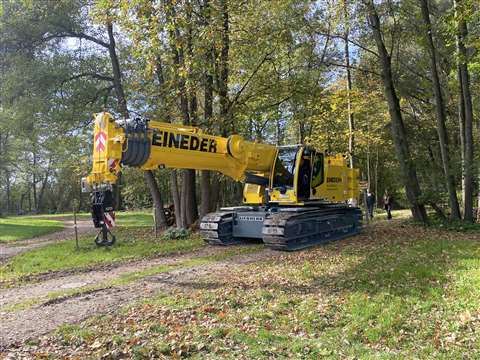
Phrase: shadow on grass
[407,263]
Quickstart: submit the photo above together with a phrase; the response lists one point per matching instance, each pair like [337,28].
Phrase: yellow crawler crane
[294,196]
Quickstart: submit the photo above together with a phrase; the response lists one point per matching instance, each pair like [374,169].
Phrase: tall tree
[161,221]
[407,167]
[440,113]
[351,121]
[466,103]
[206,190]
[223,68]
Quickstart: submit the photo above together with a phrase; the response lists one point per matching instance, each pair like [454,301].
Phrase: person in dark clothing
[387,202]
[370,203]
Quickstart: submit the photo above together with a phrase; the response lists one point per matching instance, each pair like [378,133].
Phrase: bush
[176,234]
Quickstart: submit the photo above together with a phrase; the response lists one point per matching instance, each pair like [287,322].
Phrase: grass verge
[132,276]
[392,293]
[19,228]
[133,243]
[124,218]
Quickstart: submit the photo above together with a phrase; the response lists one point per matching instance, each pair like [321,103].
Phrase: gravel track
[18,326]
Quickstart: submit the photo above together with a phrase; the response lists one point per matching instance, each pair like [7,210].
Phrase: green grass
[134,219]
[457,225]
[380,214]
[81,215]
[132,243]
[133,276]
[19,228]
[400,292]
[124,218]
[134,240]
[72,334]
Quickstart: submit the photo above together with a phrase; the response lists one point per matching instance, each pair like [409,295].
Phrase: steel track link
[217,228]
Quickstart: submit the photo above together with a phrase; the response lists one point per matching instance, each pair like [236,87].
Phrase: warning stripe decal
[109,219]
[100,141]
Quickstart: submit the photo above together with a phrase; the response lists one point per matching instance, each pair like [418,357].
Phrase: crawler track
[293,231]
[217,228]
[288,230]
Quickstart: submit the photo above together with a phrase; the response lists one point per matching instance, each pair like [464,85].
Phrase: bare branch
[79,35]
[353,67]
[90,74]
[244,86]
[337,36]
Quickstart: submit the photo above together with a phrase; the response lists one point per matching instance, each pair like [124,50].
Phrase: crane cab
[301,176]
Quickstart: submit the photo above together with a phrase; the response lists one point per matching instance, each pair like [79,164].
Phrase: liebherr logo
[184,141]
[250,218]
[334,179]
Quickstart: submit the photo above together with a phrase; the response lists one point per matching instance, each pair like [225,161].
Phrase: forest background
[393,84]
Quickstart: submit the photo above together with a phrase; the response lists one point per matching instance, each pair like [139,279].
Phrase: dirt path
[45,314]
[18,326]
[7,250]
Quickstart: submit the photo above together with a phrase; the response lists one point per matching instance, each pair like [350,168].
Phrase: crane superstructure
[294,196]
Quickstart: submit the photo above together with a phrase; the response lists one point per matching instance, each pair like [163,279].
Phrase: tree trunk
[215,194]
[188,205]
[376,176]
[408,171]
[461,127]
[301,130]
[161,221]
[478,196]
[279,133]
[34,181]
[183,200]
[191,211]
[176,199]
[478,179]
[20,205]
[369,179]
[433,179]
[7,178]
[190,174]
[205,183]
[122,107]
[440,115]
[205,192]
[467,101]
[117,75]
[224,71]
[351,121]
[29,198]
[44,185]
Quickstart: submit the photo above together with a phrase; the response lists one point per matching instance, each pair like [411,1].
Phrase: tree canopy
[394,84]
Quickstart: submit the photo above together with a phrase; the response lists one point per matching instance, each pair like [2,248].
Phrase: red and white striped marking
[109,219]
[112,163]
[100,141]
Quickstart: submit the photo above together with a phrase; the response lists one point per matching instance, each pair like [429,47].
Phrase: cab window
[317,171]
[285,167]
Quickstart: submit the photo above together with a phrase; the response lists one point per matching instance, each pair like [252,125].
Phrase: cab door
[284,176]
[304,173]
[318,174]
